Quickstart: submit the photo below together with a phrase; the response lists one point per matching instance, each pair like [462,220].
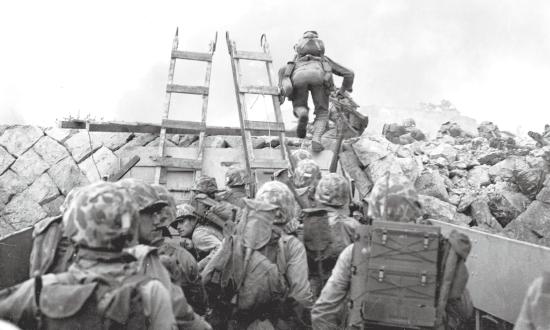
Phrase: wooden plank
[125,168]
[184,163]
[193,56]
[501,269]
[263,90]
[184,125]
[184,89]
[252,56]
[154,128]
[264,126]
[268,164]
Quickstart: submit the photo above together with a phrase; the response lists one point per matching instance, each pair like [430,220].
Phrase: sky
[109,59]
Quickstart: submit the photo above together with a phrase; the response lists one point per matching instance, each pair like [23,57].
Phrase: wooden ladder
[184,164]
[248,127]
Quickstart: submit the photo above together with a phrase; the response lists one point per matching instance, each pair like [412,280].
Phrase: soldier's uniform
[391,199]
[236,179]
[332,195]
[183,281]
[311,71]
[52,250]
[268,267]
[98,288]
[306,177]
[534,311]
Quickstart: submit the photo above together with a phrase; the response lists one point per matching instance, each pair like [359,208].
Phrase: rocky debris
[478,176]
[491,156]
[530,181]
[404,133]
[505,205]
[50,150]
[440,210]
[369,149]
[431,183]
[6,159]
[482,215]
[454,130]
[101,164]
[533,225]
[29,166]
[445,151]
[18,139]
[541,139]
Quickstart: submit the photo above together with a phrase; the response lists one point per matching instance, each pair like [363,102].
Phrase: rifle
[342,102]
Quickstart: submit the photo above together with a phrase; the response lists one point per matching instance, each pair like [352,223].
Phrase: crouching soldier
[258,278]
[362,266]
[103,288]
[311,71]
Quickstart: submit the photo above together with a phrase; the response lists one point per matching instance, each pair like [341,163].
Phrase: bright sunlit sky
[109,59]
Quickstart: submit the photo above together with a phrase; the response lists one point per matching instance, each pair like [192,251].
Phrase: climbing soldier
[311,71]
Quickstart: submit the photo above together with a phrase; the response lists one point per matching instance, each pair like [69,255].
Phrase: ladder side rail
[247,149]
[276,105]
[162,137]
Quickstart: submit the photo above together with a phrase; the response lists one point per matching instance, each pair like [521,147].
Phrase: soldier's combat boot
[302,114]
[319,127]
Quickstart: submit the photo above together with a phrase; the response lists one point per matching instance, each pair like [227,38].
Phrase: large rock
[10,184]
[481,214]
[379,167]
[6,159]
[491,156]
[533,225]
[104,161]
[505,205]
[440,210]
[18,139]
[544,195]
[431,183]
[530,181]
[29,166]
[81,146]
[21,212]
[59,134]
[67,175]
[444,150]
[370,149]
[50,151]
[479,176]
[503,170]
[43,190]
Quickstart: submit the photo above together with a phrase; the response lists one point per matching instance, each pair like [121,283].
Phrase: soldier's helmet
[143,194]
[236,176]
[205,184]
[168,212]
[300,154]
[307,174]
[277,193]
[104,217]
[185,211]
[333,190]
[394,198]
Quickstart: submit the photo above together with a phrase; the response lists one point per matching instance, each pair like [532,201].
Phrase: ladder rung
[268,164]
[253,56]
[184,89]
[194,56]
[251,125]
[265,90]
[177,162]
[191,126]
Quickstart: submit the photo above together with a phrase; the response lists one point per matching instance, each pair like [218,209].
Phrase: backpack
[405,274]
[92,303]
[249,272]
[310,46]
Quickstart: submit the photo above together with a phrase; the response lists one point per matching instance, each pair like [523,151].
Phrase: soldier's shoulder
[41,226]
